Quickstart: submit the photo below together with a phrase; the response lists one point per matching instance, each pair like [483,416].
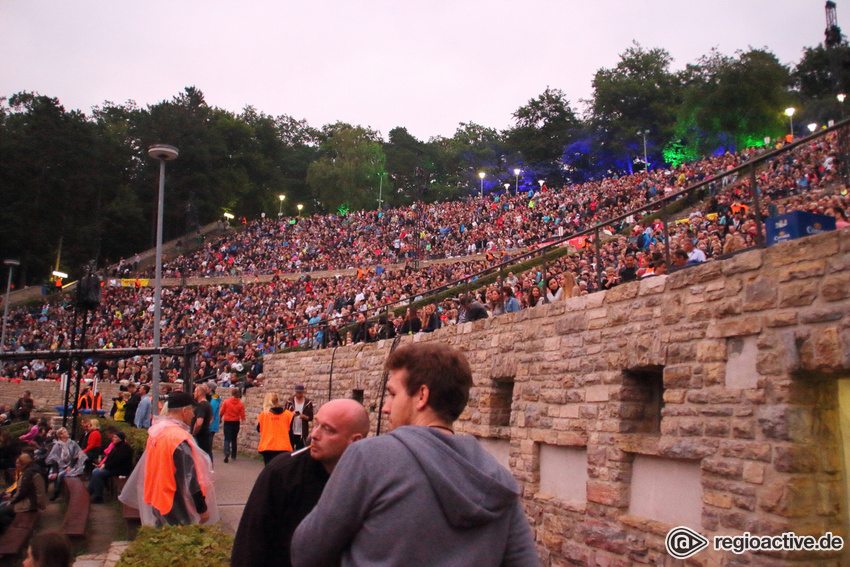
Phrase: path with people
[233,484]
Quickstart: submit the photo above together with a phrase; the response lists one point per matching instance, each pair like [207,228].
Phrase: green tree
[731,102]
[544,127]
[640,93]
[345,173]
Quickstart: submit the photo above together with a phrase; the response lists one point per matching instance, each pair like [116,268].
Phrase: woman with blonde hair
[67,459]
[569,284]
[273,425]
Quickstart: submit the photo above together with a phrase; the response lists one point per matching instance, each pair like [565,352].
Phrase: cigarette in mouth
[299,451]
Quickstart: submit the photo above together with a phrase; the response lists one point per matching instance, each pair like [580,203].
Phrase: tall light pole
[381,175]
[481,174]
[280,210]
[541,182]
[163,153]
[507,189]
[517,171]
[812,127]
[645,161]
[789,112]
[299,206]
[841,97]
[11,264]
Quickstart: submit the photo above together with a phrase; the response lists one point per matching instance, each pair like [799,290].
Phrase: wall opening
[642,398]
[357,395]
[496,407]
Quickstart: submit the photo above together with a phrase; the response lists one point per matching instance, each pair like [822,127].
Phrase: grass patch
[186,546]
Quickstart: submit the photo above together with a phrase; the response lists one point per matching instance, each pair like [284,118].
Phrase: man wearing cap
[173,482]
[289,487]
[302,407]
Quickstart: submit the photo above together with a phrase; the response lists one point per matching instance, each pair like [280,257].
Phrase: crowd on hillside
[237,324]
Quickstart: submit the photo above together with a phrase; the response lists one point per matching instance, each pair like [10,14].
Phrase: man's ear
[422,397]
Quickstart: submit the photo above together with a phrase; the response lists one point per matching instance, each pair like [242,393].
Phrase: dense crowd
[236,324]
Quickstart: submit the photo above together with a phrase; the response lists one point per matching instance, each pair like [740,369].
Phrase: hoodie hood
[471,487]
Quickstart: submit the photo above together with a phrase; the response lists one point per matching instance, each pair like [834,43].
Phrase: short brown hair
[442,368]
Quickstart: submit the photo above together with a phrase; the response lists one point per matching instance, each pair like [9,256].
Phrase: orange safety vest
[274,431]
[85,401]
[160,484]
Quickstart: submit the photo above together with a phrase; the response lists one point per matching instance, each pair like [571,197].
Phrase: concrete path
[233,484]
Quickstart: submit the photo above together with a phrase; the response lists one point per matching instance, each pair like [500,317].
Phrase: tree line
[85,182]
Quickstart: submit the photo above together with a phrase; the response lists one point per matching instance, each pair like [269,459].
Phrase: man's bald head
[339,423]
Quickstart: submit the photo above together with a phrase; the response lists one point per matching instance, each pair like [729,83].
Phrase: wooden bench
[16,536]
[79,505]
[117,485]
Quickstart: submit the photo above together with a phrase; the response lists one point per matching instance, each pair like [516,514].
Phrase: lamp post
[789,112]
[812,127]
[541,182]
[163,153]
[645,161]
[280,210]
[11,264]
[299,206]
[841,97]
[517,171]
[481,174]
[381,175]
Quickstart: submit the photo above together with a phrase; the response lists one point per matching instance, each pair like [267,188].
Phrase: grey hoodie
[416,497]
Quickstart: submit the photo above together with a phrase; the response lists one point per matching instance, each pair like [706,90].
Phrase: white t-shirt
[298,422]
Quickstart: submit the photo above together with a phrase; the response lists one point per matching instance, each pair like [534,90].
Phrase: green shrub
[186,546]
[17,429]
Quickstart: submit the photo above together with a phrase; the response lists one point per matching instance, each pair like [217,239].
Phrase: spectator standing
[145,411]
[274,425]
[173,482]
[215,404]
[302,408]
[132,404]
[203,418]
[419,495]
[232,414]
[289,487]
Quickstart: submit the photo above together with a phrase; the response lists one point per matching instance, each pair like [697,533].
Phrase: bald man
[289,486]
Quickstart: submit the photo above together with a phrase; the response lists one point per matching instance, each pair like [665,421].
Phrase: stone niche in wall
[499,448]
[563,473]
[667,491]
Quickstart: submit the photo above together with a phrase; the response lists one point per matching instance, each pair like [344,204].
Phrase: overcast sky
[423,64]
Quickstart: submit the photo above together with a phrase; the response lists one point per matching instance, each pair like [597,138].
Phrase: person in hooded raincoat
[173,483]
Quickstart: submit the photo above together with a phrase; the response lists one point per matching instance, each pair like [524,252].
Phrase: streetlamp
[541,182]
[163,153]
[381,175]
[812,127]
[11,264]
[280,210]
[789,112]
[645,161]
[517,171]
[299,206]
[507,189]
[481,174]
[841,97]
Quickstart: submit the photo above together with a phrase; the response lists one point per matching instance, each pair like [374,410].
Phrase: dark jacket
[119,461]
[285,492]
[31,493]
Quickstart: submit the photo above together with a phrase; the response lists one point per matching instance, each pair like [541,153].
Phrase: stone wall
[706,397]
[711,398]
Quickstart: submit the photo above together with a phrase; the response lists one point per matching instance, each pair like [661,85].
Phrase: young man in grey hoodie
[419,496]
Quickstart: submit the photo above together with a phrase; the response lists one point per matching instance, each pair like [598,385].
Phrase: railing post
[598,258]
[666,236]
[757,205]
